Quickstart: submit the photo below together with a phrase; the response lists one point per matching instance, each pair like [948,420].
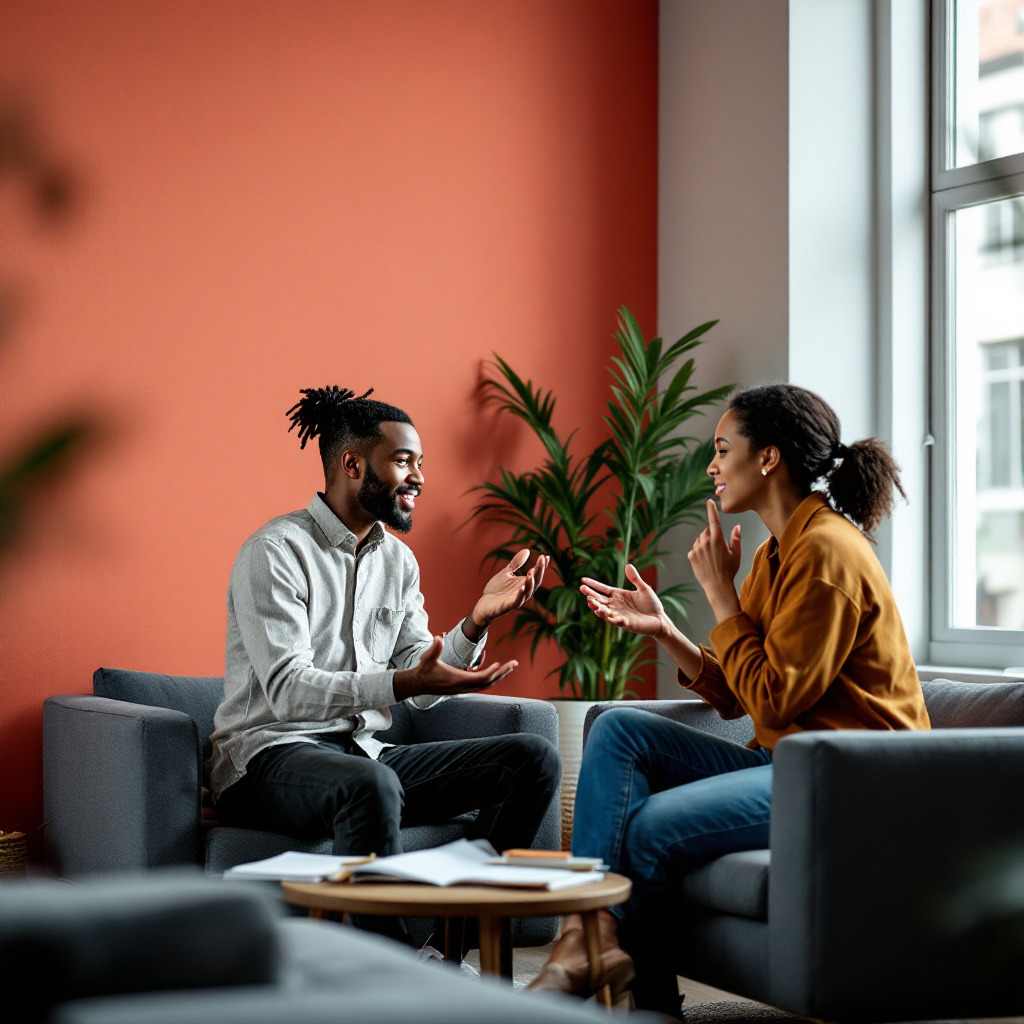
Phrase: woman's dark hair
[341,420]
[861,479]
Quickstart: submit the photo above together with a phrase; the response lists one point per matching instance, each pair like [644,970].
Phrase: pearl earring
[764,472]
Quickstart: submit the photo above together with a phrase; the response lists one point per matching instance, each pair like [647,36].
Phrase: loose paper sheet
[293,867]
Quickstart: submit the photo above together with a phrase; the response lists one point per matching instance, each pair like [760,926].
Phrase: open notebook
[460,863]
[465,862]
[295,867]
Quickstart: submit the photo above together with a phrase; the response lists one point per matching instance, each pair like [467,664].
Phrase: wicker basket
[13,853]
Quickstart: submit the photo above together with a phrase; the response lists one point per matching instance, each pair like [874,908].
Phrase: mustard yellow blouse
[819,643]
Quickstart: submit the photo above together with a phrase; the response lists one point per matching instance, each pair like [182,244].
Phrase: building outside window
[978,333]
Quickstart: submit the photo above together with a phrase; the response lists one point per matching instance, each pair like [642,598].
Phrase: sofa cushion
[734,884]
[196,696]
[955,705]
[226,846]
[400,730]
[423,837]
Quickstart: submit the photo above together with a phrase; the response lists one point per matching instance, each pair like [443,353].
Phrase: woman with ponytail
[813,640]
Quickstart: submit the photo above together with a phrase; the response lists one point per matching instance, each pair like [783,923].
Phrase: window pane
[988,453]
[1000,596]
[998,434]
[988,46]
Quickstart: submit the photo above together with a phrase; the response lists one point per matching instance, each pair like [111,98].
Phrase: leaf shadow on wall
[41,525]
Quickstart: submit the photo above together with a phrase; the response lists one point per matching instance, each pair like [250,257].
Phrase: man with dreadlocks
[326,629]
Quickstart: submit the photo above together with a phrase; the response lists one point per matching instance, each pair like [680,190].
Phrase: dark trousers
[332,788]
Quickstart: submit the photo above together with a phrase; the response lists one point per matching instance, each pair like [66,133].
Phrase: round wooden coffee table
[488,905]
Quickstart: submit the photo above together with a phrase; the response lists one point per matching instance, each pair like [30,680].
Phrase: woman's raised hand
[715,562]
[638,610]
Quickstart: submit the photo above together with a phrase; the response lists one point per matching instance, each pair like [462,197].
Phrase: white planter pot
[571,716]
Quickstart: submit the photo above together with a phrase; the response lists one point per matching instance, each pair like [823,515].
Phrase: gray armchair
[892,889]
[123,777]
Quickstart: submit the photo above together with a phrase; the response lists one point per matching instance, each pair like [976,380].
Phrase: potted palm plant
[594,513]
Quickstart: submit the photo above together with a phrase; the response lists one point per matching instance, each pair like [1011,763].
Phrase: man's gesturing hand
[433,676]
[505,591]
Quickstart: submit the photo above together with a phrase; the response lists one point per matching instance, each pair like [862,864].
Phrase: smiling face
[736,469]
[393,476]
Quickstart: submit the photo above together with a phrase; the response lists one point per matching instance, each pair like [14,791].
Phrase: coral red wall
[278,194]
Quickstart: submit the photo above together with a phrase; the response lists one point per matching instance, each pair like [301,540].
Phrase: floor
[528,962]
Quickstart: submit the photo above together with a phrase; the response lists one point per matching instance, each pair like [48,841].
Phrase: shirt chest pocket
[384,633]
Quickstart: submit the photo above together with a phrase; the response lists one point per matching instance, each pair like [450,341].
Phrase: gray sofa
[894,886]
[168,949]
[123,775]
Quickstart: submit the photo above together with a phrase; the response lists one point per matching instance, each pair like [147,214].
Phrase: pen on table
[345,873]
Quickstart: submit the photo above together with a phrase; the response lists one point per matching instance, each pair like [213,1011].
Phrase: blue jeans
[655,799]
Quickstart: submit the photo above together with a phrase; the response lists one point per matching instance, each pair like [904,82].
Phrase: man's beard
[382,504]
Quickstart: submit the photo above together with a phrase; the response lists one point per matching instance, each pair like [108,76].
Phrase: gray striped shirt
[315,634]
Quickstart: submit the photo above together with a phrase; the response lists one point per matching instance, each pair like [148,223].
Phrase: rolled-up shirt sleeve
[710,685]
[270,595]
[414,636]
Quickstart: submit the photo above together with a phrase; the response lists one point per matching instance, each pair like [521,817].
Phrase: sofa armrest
[480,714]
[121,786]
[896,890]
[694,713]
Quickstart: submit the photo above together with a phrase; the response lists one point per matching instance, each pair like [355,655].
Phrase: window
[978,333]
[987,83]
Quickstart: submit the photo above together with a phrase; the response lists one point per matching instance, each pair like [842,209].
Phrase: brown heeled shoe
[558,978]
[617,972]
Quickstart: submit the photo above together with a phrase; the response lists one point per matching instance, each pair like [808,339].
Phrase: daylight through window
[978,196]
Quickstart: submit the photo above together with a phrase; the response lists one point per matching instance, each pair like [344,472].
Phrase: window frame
[952,189]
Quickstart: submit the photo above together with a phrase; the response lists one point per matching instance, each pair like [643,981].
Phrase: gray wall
[792,158]
[723,219]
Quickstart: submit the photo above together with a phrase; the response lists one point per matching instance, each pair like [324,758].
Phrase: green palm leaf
[658,474]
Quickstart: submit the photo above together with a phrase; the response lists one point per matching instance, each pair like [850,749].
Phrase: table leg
[490,945]
[316,914]
[592,933]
